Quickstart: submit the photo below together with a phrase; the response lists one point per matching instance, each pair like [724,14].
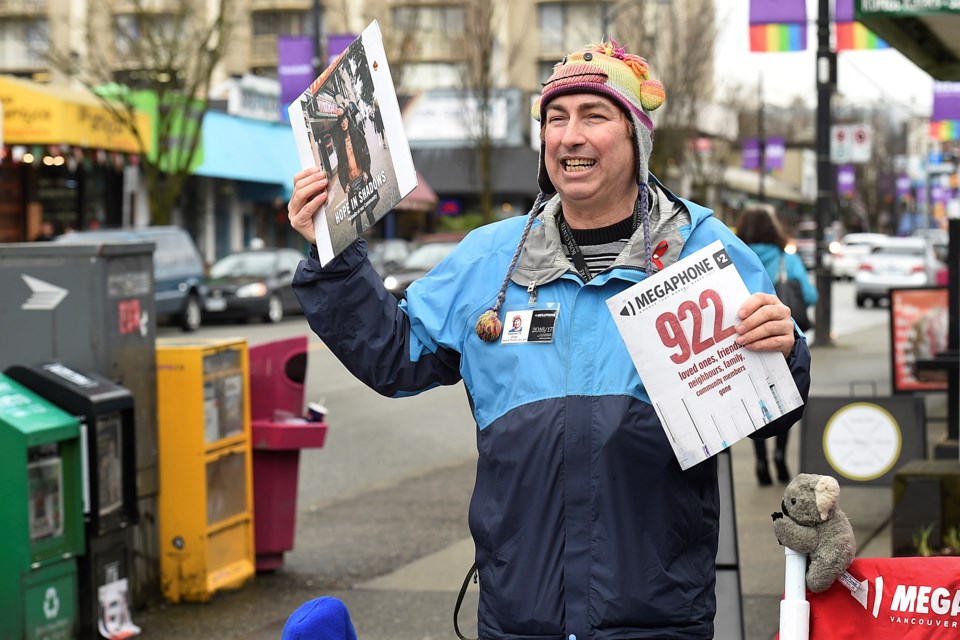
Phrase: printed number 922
[670,327]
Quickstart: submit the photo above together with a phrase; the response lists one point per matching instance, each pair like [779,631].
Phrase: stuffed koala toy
[812,523]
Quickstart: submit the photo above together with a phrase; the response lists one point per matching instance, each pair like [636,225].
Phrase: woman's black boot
[763,472]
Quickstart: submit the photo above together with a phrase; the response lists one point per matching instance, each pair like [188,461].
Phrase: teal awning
[248,150]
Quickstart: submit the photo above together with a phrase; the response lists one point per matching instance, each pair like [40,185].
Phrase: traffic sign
[861,140]
[839,144]
[850,143]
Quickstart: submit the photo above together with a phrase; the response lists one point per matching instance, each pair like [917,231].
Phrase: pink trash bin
[278,432]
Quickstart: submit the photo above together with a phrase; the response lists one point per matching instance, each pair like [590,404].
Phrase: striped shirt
[600,247]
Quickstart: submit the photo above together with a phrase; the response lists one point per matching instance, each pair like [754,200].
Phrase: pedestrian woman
[759,228]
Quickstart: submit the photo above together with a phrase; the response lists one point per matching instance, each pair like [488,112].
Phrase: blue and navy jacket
[584,523]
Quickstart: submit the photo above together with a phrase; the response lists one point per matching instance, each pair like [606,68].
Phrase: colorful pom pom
[652,94]
[489,326]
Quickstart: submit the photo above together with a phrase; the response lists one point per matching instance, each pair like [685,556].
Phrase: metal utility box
[93,306]
[106,414]
[42,519]
[206,480]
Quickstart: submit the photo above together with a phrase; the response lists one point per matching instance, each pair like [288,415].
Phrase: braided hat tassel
[489,325]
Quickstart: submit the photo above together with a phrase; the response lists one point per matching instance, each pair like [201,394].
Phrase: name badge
[529,325]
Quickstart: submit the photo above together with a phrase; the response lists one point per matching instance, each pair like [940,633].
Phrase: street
[392,485]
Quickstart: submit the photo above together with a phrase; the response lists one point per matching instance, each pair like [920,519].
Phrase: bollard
[794,608]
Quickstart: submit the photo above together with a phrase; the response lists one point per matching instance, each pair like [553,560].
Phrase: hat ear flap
[652,94]
[535,109]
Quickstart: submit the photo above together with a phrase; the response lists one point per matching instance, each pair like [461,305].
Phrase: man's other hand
[309,195]
[765,324]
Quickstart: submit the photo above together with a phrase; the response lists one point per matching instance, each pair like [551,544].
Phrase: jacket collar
[543,258]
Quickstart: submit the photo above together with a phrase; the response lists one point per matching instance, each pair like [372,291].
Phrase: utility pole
[316,22]
[826,82]
[761,142]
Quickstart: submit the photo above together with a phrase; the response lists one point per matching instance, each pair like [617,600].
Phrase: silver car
[850,252]
[893,264]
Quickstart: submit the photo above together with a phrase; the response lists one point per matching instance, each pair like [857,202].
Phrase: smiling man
[584,523]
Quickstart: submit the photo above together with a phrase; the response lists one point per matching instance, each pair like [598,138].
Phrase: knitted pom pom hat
[605,69]
[608,70]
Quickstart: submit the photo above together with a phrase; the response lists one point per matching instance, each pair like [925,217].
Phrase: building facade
[470,58]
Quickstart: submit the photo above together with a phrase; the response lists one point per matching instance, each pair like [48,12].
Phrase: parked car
[254,283]
[853,247]
[429,251]
[893,264]
[178,269]
[804,243]
[387,255]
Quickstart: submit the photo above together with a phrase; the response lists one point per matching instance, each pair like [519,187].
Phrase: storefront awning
[746,181]
[422,198]
[248,150]
[36,113]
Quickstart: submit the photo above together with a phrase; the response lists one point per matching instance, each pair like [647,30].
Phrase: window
[430,21]
[23,42]
[567,26]
[129,29]
[423,76]
[280,23]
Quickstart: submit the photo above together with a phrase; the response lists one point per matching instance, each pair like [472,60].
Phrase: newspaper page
[348,123]
[679,328]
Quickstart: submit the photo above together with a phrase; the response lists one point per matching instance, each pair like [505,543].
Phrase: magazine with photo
[348,123]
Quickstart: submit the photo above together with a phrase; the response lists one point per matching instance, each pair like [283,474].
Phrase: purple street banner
[903,187]
[774,150]
[337,43]
[751,154]
[846,180]
[778,11]
[778,25]
[945,119]
[946,101]
[852,35]
[294,68]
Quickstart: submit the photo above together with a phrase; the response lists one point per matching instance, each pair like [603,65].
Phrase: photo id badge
[530,325]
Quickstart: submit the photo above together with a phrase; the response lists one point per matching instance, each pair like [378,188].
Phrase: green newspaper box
[40,470]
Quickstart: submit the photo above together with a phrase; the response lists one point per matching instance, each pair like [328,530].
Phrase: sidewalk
[408,603]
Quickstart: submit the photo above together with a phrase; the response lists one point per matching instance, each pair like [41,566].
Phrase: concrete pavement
[415,600]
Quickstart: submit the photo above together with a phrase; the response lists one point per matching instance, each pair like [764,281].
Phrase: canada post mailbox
[41,522]
[106,414]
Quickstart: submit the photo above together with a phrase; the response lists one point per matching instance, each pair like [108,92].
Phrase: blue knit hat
[323,618]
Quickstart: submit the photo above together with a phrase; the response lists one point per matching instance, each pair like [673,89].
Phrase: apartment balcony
[436,47]
[17,58]
[280,5]
[263,51]
[128,7]
[28,8]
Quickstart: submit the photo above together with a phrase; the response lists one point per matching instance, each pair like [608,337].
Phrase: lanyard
[573,249]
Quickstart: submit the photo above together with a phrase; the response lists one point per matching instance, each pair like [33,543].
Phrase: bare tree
[163,51]
[478,79]
[677,38]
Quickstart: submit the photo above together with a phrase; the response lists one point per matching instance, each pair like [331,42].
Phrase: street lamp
[316,21]
[826,81]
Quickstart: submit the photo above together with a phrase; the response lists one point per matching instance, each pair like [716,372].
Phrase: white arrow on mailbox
[44,296]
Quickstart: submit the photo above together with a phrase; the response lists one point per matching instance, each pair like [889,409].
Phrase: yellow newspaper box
[206,484]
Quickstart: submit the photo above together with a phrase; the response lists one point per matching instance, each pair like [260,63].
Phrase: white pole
[794,608]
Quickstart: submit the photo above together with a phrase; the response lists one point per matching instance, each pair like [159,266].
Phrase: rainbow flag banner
[945,130]
[853,35]
[778,37]
[945,119]
[778,25]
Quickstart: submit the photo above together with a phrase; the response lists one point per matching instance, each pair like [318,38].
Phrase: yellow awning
[47,114]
